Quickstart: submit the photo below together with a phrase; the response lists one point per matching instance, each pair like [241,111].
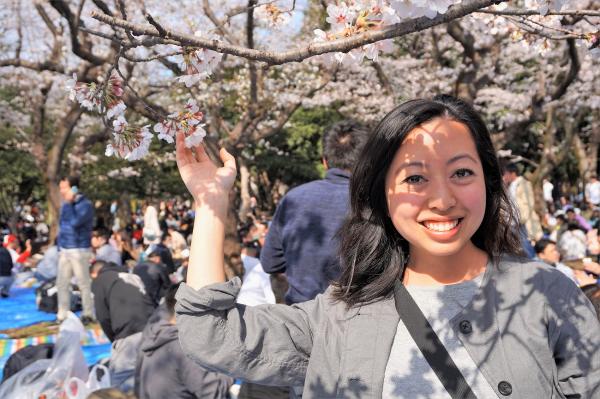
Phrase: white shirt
[256,286]
[592,192]
[548,187]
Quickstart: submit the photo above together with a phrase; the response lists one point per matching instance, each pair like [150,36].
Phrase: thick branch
[36,66]
[80,50]
[574,68]
[467,41]
[64,131]
[271,57]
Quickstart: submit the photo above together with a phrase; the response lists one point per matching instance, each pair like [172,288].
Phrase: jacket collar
[337,176]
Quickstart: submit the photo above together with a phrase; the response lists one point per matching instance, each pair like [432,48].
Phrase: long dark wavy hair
[372,252]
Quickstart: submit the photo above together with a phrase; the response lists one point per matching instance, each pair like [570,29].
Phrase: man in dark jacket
[163,370]
[301,239]
[155,276]
[74,243]
[122,309]
[6,273]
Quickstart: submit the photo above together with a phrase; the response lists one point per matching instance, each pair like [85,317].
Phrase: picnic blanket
[20,310]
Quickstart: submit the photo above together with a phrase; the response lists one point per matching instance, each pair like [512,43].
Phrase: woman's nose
[441,197]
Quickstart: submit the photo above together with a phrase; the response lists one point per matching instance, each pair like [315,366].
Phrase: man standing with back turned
[301,240]
[74,243]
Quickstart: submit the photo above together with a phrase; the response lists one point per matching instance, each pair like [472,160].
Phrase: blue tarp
[20,310]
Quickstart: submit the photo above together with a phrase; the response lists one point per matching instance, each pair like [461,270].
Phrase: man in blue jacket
[301,240]
[74,243]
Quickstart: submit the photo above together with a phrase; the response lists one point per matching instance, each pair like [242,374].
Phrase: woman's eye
[414,179]
[463,173]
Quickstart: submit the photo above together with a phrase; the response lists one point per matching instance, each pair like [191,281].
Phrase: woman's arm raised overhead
[209,186]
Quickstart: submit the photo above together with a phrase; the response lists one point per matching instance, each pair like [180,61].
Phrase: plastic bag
[76,388]
[47,376]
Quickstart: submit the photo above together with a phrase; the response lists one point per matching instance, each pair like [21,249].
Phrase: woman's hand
[208,184]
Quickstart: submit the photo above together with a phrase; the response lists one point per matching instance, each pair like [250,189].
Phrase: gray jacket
[530,330]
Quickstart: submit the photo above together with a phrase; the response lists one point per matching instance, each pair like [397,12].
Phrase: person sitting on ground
[155,276]
[103,249]
[547,251]
[176,243]
[183,378]
[122,309]
[6,272]
[572,243]
[165,253]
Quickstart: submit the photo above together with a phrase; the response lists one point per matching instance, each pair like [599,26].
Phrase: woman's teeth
[441,226]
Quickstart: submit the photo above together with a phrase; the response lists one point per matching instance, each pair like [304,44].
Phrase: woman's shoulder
[521,273]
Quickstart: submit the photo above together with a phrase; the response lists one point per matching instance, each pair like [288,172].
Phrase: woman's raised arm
[209,186]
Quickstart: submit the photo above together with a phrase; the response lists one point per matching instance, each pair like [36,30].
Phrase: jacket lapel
[369,337]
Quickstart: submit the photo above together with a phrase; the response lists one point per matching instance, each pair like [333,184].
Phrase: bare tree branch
[36,66]
[220,25]
[250,45]
[17,5]
[83,51]
[516,12]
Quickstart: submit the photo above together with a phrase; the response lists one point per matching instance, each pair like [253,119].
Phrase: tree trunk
[53,201]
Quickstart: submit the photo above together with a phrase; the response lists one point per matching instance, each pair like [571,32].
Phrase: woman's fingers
[227,159]
[183,155]
[201,155]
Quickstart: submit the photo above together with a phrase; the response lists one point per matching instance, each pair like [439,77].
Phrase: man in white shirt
[256,287]
[592,191]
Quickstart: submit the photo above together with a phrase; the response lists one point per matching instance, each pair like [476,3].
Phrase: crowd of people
[128,270]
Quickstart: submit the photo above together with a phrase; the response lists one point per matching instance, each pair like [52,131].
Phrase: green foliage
[293,156]
[155,177]
[20,178]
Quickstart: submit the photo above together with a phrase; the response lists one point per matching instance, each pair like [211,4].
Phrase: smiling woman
[434,300]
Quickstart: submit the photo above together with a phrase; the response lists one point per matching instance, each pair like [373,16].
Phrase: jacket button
[505,388]
[465,327]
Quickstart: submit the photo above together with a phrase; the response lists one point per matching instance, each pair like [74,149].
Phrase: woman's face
[435,188]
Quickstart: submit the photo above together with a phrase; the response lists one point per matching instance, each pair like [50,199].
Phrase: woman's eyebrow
[419,164]
[459,157]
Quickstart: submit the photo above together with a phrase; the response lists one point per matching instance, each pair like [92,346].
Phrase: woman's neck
[427,269]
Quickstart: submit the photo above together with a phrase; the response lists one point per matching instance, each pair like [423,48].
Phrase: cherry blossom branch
[276,58]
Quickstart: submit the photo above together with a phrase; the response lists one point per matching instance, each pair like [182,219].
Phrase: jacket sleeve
[272,257]
[265,344]
[574,336]
[83,213]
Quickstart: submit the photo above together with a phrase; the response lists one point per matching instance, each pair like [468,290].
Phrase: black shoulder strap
[428,342]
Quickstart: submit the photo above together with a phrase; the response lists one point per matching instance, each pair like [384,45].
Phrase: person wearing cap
[155,276]
[74,243]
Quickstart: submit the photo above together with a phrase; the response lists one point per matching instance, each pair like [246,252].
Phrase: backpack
[46,297]
[24,357]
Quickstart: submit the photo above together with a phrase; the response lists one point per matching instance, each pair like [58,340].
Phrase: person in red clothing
[11,243]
